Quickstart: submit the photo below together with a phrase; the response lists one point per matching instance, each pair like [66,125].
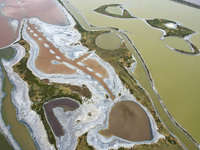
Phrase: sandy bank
[22,103]
[4,129]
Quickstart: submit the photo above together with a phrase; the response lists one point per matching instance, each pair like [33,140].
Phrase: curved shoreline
[22,103]
[160,99]
[3,128]
[66,79]
[57,132]
[34,51]
[111,14]
[74,129]
[97,28]
[117,141]
[186,38]
[20,26]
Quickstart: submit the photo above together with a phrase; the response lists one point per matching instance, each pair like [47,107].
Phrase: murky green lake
[176,75]
[108,41]
[114,10]
[177,43]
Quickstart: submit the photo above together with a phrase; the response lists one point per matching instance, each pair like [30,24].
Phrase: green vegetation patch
[122,55]
[82,143]
[41,91]
[102,10]
[119,58]
[162,144]
[180,31]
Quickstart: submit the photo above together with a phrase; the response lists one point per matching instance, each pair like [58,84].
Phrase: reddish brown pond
[129,121]
[44,63]
[7,34]
[46,10]
[66,104]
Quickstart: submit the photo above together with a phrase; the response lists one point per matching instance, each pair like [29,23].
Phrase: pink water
[46,10]
[7,34]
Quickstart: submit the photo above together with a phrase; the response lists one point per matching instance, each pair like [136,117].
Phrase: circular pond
[108,41]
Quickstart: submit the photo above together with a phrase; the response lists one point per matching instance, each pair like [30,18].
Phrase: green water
[177,43]
[18,130]
[4,143]
[175,75]
[114,10]
[108,41]
[195,39]
[6,54]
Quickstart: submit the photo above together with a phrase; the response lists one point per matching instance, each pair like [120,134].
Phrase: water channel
[19,131]
[5,54]
[175,75]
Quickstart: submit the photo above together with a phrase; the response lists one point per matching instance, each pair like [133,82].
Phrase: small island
[175,30]
[170,27]
[113,10]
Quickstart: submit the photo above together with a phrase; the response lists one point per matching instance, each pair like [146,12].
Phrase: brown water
[129,121]
[46,10]
[46,56]
[66,104]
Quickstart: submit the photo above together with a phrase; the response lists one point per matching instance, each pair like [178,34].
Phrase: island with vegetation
[173,29]
[104,10]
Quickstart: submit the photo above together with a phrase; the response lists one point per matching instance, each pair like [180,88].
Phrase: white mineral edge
[4,129]
[69,140]
[88,27]
[14,23]
[64,141]
[22,102]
